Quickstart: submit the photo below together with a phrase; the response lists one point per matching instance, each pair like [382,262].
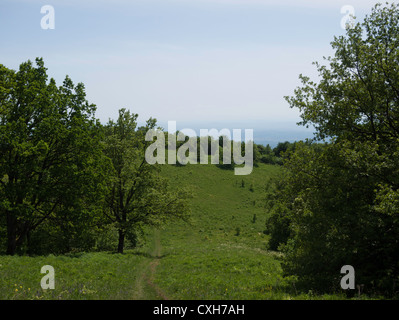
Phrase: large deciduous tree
[136,194]
[48,150]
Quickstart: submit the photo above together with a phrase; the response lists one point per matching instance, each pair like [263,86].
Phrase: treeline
[266,154]
[68,182]
[261,153]
[337,203]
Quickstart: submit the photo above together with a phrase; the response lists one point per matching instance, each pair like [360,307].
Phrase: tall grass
[85,276]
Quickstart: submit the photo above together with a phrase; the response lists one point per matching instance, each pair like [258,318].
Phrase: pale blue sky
[202,61]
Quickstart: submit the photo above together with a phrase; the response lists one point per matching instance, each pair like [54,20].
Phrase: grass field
[220,254]
[99,275]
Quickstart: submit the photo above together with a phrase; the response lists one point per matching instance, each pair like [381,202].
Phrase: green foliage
[282,147]
[340,198]
[66,181]
[266,154]
[50,163]
[278,226]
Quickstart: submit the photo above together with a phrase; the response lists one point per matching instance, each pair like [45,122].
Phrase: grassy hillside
[220,254]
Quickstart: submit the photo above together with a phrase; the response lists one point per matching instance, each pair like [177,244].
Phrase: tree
[281,148]
[266,155]
[357,96]
[136,195]
[48,150]
[341,197]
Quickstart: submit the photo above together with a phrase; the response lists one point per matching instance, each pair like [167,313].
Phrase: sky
[201,63]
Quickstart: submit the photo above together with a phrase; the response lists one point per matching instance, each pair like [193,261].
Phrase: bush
[278,226]
[271,159]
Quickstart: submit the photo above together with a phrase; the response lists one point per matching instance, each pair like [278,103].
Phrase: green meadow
[220,253]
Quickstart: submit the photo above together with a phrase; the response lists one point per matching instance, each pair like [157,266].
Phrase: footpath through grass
[221,254]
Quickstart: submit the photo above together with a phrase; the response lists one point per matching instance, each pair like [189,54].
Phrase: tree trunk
[121,242]
[29,250]
[16,233]
[11,234]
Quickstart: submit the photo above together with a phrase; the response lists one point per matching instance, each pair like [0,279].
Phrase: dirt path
[145,288]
